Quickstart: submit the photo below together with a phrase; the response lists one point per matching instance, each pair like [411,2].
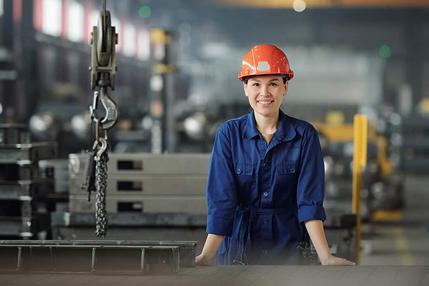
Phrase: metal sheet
[145,163]
[124,184]
[19,189]
[139,203]
[27,153]
[19,227]
[130,219]
[17,172]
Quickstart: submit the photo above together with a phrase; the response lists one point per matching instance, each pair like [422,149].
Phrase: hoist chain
[101,159]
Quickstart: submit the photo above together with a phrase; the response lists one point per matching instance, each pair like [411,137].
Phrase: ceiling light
[299,5]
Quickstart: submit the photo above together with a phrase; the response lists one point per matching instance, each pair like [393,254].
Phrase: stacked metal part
[23,186]
[143,189]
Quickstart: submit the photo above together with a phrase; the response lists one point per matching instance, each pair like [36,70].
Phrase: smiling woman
[265,184]
[265,94]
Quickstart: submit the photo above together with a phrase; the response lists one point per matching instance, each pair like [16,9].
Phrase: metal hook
[93,107]
[102,148]
[111,111]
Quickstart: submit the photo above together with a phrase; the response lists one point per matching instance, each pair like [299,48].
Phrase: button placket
[262,147]
[266,179]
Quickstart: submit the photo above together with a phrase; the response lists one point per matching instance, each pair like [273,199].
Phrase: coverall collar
[285,129]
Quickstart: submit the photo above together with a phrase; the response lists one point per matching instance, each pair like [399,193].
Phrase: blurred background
[178,63]
[349,56]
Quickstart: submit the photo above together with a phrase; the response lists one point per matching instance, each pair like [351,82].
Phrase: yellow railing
[360,141]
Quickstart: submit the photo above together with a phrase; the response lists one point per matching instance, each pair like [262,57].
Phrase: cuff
[306,213]
[219,225]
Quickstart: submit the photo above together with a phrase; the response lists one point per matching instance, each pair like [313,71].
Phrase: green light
[385,51]
[145,11]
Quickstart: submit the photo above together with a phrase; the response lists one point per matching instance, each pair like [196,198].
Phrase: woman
[266,178]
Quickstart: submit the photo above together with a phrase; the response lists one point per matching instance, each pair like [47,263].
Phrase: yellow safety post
[360,139]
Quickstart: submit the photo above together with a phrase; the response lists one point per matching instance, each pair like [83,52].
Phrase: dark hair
[246,79]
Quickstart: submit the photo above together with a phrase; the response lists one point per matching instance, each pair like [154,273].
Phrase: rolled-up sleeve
[221,187]
[311,180]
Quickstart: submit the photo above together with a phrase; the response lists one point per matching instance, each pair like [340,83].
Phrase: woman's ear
[286,88]
[245,88]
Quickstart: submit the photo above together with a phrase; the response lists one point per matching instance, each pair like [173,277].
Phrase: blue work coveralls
[259,195]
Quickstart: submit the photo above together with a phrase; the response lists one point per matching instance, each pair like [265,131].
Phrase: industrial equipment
[379,177]
[119,257]
[24,187]
[103,73]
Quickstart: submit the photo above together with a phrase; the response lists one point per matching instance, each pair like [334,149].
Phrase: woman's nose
[264,90]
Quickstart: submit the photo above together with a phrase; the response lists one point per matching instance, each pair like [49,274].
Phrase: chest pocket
[286,176]
[288,168]
[245,174]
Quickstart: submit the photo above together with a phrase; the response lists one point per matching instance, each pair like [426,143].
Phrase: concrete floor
[404,241]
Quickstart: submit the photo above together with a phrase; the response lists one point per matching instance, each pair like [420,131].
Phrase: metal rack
[118,256]
[23,187]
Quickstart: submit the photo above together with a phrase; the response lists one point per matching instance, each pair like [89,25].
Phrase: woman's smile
[266,102]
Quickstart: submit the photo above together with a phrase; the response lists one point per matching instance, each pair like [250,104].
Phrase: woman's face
[265,94]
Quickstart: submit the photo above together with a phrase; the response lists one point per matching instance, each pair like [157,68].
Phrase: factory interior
[110,112]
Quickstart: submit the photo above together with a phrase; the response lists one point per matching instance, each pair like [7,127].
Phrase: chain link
[100,195]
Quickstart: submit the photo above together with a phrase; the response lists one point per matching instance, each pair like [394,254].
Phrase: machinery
[381,188]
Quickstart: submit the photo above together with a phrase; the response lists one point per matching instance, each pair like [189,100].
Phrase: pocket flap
[244,169]
[286,168]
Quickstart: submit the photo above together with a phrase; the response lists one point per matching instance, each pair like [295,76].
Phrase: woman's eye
[255,84]
[274,84]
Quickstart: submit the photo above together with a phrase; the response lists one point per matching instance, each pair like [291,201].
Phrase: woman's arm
[211,245]
[317,235]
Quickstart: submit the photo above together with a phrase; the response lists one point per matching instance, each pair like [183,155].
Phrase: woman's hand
[317,235]
[333,260]
[203,260]
[210,248]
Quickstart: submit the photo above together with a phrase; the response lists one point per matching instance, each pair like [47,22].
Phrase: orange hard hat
[265,59]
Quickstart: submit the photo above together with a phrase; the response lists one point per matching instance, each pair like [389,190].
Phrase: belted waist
[263,211]
[237,245]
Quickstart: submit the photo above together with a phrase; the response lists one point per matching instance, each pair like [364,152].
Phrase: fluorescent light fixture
[129,40]
[75,22]
[52,17]
[143,45]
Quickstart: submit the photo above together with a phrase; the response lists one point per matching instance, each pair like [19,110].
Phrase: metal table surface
[241,275]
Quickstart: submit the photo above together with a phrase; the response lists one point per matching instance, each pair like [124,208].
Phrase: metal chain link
[100,196]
